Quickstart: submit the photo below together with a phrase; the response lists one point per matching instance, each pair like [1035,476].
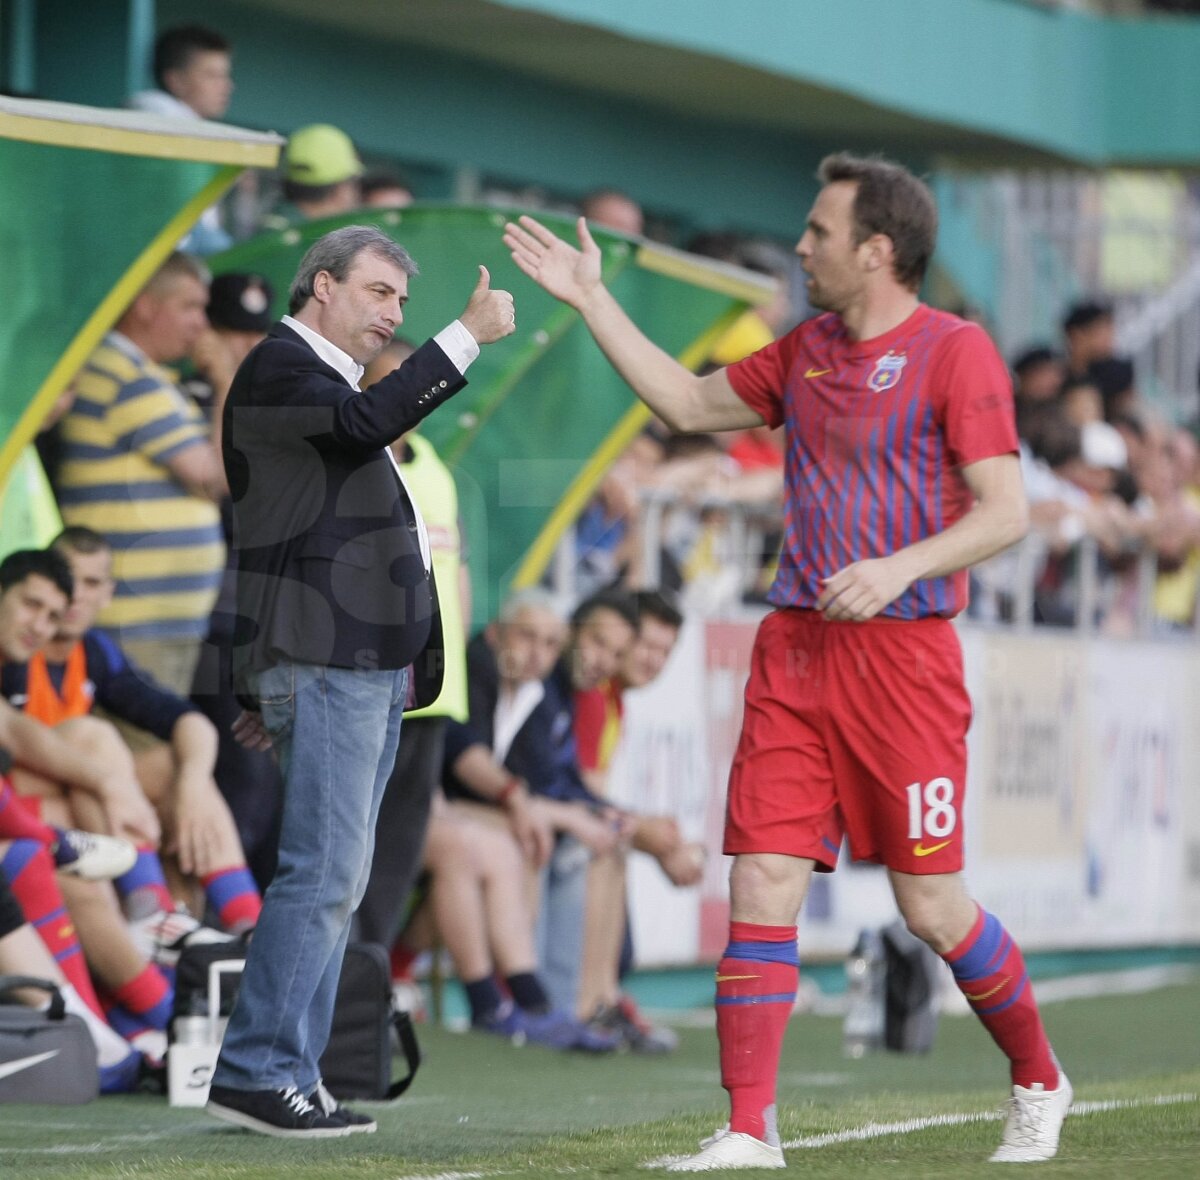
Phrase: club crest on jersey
[887,371]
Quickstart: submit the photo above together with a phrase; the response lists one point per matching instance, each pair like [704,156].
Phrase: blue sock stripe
[227,885]
[765,952]
[776,998]
[1005,1003]
[17,857]
[981,958]
[64,955]
[52,916]
[127,1023]
[147,870]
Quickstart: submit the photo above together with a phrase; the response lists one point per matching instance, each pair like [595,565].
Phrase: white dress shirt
[454,340]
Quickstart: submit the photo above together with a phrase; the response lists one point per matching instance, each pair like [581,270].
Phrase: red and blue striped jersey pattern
[877,432]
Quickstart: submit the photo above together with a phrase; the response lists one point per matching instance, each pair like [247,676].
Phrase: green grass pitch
[481,1108]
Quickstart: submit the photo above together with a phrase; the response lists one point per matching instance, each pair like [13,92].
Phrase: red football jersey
[877,431]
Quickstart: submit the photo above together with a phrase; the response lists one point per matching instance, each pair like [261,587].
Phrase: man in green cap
[321,177]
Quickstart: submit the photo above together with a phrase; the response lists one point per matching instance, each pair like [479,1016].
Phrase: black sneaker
[286,1114]
[331,1108]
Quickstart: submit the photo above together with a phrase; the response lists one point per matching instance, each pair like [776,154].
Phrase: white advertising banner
[1082,815]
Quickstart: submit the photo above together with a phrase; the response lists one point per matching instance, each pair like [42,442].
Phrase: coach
[338,630]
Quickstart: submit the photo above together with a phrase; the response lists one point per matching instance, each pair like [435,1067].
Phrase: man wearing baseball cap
[321,176]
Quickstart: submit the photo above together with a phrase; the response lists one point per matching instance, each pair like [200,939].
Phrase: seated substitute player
[901,473]
[599,718]
[81,668]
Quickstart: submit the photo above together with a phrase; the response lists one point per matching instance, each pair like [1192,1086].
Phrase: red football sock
[990,972]
[756,990]
[234,896]
[145,880]
[402,959]
[30,873]
[18,820]
[147,995]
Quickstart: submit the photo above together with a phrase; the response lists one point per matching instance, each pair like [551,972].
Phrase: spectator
[1038,373]
[76,775]
[193,72]
[613,209]
[239,314]
[22,953]
[1114,378]
[599,715]
[603,628]
[384,189]
[478,892]
[322,176]
[1167,476]
[1081,402]
[1089,332]
[404,813]
[139,466]
[79,669]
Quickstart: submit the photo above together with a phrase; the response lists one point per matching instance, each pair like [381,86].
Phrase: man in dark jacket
[339,630]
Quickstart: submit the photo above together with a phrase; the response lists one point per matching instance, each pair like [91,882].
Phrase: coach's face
[361,313]
[828,253]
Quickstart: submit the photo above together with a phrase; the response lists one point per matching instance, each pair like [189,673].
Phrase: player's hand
[597,833]
[567,273]
[211,357]
[248,731]
[861,590]
[530,828]
[684,865]
[129,813]
[199,827]
[490,315]
[657,835]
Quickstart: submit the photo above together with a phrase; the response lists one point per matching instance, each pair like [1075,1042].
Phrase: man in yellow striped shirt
[139,466]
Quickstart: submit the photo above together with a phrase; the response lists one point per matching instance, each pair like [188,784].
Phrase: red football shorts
[855,729]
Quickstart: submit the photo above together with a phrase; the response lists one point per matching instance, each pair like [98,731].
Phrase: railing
[1004,589]
[1041,240]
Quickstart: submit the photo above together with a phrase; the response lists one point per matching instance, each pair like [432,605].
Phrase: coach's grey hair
[529,598]
[336,252]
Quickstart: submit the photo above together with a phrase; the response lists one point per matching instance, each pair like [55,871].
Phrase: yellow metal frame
[108,312]
[538,556]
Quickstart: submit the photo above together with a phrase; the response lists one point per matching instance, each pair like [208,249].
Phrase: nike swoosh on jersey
[817,372]
[921,850]
[727,978]
[11,1067]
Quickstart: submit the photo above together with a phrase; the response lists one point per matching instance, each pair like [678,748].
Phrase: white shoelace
[297,1102]
[1026,1121]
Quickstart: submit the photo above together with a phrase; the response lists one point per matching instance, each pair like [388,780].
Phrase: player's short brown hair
[889,200]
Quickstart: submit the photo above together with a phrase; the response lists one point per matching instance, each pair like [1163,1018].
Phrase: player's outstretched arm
[680,398]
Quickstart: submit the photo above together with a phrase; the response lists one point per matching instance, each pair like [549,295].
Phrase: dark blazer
[329,568]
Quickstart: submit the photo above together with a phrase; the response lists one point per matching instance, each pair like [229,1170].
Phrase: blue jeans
[335,731]
[558,936]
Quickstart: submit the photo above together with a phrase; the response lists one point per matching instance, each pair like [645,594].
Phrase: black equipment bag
[357,1062]
[913,971]
[45,1056]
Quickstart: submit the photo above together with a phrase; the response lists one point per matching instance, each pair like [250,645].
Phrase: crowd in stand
[1101,467]
[133,823]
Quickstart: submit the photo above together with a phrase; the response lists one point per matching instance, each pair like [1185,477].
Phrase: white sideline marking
[448,1176]
[908,1126]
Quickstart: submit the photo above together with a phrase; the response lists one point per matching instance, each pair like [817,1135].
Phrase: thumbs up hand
[489,315]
